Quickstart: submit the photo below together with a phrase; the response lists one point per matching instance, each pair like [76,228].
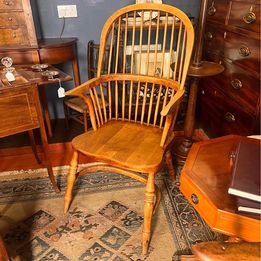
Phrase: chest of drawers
[16,24]
[229,103]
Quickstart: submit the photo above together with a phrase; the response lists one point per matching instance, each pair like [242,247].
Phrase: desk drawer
[11,4]
[246,16]
[243,51]
[12,19]
[18,109]
[14,36]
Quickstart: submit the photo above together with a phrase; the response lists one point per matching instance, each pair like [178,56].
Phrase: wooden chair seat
[76,104]
[124,144]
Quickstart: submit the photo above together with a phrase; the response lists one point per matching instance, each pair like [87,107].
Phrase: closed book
[247,205]
[245,180]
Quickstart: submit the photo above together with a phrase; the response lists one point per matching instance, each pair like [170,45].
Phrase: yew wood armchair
[133,123]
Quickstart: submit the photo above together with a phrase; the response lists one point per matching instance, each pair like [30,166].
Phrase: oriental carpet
[104,221]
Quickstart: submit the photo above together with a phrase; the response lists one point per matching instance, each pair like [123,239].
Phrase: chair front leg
[148,211]
[70,181]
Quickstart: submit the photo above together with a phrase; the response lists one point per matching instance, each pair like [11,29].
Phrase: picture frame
[147,63]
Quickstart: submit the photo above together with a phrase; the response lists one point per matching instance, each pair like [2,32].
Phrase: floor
[16,152]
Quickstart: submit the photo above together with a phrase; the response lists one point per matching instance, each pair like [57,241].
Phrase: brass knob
[236,84]
[10,19]
[249,18]
[229,117]
[209,35]
[7,3]
[244,51]
[194,198]
[14,35]
[202,92]
[212,10]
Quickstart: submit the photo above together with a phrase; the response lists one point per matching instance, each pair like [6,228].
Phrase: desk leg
[33,145]
[75,72]
[45,110]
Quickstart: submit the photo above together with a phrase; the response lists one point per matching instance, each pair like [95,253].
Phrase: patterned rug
[104,222]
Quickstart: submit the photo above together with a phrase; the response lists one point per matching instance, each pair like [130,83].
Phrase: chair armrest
[81,89]
[170,107]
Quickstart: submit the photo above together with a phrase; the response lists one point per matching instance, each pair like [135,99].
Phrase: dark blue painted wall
[92,14]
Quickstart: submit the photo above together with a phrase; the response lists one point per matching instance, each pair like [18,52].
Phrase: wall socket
[67,11]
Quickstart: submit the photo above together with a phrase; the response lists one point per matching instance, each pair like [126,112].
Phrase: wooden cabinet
[16,24]
[229,103]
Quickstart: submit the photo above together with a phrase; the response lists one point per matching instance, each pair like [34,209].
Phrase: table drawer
[214,42]
[11,4]
[13,36]
[12,19]
[217,11]
[245,15]
[243,51]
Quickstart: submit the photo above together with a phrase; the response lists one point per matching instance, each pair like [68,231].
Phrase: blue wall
[92,15]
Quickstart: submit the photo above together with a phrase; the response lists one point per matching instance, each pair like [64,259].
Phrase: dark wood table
[25,74]
[205,180]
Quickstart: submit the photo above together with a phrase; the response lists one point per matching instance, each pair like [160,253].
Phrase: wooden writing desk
[205,180]
[20,111]
[25,74]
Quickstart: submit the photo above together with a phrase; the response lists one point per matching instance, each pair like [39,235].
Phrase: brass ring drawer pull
[249,18]
[208,36]
[194,198]
[244,51]
[229,117]
[212,10]
[236,84]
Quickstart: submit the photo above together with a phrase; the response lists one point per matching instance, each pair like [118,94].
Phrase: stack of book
[245,182]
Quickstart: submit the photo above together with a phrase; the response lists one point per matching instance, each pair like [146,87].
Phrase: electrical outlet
[67,11]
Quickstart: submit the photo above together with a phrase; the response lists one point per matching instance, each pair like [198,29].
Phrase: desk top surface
[26,74]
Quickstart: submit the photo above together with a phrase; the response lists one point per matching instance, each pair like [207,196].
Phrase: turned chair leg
[148,211]
[169,164]
[70,181]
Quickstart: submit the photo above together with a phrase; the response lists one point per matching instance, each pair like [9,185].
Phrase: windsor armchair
[133,133]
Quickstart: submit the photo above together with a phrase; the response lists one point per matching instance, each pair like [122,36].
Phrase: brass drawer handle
[249,18]
[194,199]
[244,51]
[212,10]
[236,84]
[14,35]
[8,3]
[10,19]
[229,117]
[209,36]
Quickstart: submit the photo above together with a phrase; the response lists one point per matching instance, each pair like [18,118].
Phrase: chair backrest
[92,56]
[139,84]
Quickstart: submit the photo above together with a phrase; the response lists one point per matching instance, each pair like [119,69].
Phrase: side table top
[205,180]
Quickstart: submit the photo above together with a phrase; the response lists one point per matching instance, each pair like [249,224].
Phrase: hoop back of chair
[139,84]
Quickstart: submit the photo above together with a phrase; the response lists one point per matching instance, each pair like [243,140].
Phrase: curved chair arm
[170,107]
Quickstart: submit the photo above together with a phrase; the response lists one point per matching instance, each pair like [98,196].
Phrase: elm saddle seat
[133,129]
